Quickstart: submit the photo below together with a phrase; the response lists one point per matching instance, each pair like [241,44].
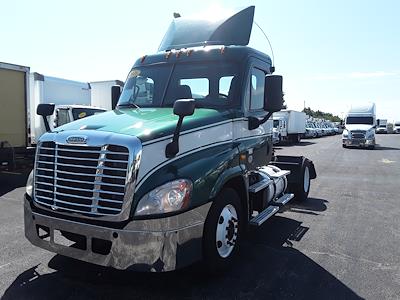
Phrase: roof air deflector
[188,32]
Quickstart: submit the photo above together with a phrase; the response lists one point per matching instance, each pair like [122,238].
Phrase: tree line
[321,115]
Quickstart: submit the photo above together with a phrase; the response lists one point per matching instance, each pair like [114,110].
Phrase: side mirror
[273,99]
[182,108]
[273,95]
[45,110]
[115,93]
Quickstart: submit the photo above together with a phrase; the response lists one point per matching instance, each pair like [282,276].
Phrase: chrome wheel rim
[306,184]
[227,231]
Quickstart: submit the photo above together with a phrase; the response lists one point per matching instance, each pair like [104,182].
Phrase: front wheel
[222,230]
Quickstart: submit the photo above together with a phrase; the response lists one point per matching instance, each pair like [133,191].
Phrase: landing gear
[222,230]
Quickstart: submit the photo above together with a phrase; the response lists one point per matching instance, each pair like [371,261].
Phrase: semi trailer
[183,166]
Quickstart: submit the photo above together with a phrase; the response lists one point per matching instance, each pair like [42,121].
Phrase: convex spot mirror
[273,94]
[45,109]
[184,107]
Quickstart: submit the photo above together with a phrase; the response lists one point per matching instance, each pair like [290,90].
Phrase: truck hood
[146,123]
[352,127]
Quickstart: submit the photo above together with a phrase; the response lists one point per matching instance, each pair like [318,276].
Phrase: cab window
[62,117]
[257,89]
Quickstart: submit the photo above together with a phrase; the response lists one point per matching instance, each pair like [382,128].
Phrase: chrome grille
[84,179]
[358,134]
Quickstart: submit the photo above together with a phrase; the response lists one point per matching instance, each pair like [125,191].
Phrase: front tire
[222,230]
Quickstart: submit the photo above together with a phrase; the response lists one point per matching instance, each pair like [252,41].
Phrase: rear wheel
[222,230]
[303,188]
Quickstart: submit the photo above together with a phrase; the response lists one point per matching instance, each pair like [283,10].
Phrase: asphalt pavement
[341,243]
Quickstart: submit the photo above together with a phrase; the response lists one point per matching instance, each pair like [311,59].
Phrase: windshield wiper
[128,105]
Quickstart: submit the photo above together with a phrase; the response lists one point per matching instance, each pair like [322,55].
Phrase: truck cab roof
[203,54]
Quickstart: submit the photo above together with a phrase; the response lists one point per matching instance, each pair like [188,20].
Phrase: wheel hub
[227,231]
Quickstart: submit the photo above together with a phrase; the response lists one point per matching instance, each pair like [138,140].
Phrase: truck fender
[227,175]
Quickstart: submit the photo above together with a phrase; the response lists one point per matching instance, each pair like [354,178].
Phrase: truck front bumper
[154,245]
[359,142]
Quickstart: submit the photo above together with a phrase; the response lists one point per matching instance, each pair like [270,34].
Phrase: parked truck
[180,169]
[360,124]
[290,125]
[14,128]
[382,126]
[396,127]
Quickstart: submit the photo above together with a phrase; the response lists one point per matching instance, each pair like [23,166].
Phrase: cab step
[283,200]
[260,185]
[280,174]
[264,215]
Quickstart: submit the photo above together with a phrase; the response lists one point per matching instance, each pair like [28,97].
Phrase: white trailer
[290,124]
[47,89]
[101,93]
[14,99]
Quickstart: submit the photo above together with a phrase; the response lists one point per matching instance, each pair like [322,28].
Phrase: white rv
[360,127]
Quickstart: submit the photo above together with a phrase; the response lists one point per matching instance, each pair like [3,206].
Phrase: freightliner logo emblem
[77,139]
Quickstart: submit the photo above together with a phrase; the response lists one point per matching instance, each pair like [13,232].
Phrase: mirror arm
[46,123]
[173,148]
[255,122]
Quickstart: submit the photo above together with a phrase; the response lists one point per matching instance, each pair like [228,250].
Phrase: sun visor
[189,32]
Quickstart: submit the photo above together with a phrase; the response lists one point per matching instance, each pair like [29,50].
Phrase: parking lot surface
[341,243]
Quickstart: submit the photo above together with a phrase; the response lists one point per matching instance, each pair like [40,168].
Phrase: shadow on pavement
[309,206]
[291,144]
[267,267]
[379,147]
[10,181]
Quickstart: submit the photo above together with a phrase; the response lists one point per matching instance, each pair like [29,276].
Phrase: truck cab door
[254,145]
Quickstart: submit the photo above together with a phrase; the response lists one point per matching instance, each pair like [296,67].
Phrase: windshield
[396,124]
[359,120]
[211,85]
[79,113]
[276,123]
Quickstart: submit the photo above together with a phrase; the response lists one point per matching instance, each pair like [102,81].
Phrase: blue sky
[332,54]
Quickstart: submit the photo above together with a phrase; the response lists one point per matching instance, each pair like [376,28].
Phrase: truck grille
[84,179]
[358,134]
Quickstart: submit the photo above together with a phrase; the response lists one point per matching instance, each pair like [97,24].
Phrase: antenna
[272,69]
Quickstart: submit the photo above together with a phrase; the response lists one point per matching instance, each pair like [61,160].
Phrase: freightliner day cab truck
[360,126]
[180,169]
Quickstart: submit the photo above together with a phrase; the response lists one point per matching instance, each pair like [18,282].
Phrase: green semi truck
[183,166]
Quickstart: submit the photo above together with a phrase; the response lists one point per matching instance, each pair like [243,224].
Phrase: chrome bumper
[359,142]
[155,245]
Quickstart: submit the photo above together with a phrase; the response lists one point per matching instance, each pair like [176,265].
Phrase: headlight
[345,133]
[170,197]
[29,184]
